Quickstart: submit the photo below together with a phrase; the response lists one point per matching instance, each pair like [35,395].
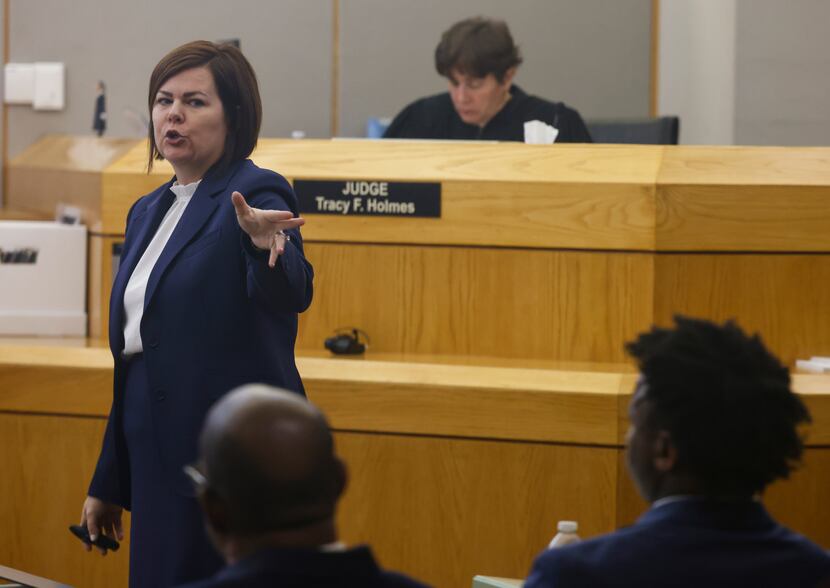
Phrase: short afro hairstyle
[726,402]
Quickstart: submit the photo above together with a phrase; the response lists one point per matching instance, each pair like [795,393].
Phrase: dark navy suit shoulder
[307,568]
[687,545]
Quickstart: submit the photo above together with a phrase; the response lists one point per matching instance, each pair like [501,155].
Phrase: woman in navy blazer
[206,298]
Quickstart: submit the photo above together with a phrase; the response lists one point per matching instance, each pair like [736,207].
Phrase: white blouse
[137,286]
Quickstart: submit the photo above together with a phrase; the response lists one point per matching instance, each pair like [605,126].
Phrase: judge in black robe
[479,59]
[435,117]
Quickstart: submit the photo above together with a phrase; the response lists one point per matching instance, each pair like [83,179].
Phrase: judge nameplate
[369,198]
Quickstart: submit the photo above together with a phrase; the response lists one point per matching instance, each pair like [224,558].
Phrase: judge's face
[477,100]
[189,123]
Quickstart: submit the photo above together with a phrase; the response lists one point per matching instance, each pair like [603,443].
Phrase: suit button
[160,395]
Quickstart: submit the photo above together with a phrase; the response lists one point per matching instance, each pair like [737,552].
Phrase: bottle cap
[567,527]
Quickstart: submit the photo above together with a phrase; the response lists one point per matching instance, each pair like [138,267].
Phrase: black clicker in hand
[101,541]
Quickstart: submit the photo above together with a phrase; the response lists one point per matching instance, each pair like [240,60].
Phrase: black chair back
[664,130]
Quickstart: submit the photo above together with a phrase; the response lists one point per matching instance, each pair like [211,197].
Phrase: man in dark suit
[713,422]
[268,481]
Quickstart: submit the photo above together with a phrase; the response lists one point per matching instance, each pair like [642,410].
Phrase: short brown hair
[236,84]
[477,47]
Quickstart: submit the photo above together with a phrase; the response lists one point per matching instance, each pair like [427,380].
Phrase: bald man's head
[268,456]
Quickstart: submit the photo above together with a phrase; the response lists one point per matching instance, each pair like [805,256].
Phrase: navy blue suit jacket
[307,568]
[215,316]
[689,544]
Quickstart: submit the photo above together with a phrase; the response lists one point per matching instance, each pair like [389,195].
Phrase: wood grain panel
[538,198]
[501,214]
[492,506]
[444,160]
[47,464]
[574,306]
[743,218]
[64,390]
[786,298]
[801,502]
[468,412]
[39,190]
[24,215]
[53,352]
[465,401]
[65,169]
[121,190]
[738,166]
[496,401]
[434,504]
[99,282]
[74,152]
[815,391]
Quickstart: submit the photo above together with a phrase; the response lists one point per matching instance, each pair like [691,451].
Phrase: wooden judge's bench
[493,399]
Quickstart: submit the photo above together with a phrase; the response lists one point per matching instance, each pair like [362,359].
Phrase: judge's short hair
[477,47]
[236,84]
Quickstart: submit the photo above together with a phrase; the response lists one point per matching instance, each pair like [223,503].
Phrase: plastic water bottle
[566,534]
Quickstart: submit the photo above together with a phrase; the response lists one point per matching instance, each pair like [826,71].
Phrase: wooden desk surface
[431,445]
[516,400]
[593,197]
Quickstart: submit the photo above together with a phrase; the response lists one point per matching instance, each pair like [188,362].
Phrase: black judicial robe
[434,117]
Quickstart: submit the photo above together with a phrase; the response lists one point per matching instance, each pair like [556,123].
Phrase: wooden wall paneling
[738,166]
[120,191]
[801,501]
[575,408]
[654,61]
[73,152]
[434,502]
[552,305]
[96,298]
[743,198]
[68,391]
[504,214]
[99,283]
[24,215]
[63,169]
[39,190]
[493,506]
[525,204]
[471,161]
[47,464]
[729,217]
[813,391]
[786,298]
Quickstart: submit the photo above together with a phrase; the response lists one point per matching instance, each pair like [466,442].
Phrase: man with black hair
[268,481]
[713,422]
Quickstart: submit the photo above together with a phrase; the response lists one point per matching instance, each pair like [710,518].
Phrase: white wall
[696,79]
[746,72]
[783,73]
[592,54]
